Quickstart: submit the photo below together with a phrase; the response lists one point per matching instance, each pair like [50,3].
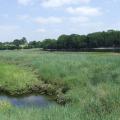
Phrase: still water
[29,101]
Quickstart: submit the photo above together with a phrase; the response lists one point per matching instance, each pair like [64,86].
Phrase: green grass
[13,77]
[93,79]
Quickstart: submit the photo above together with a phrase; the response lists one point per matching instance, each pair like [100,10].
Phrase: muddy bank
[57,94]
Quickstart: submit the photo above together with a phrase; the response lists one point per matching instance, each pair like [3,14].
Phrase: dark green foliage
[109,39]
[49,44]
[18,42]
[34,44]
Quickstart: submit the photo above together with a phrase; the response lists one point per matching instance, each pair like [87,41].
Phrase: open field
[91,80]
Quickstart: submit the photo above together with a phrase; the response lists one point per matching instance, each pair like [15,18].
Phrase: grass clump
[4,105]
[13,78]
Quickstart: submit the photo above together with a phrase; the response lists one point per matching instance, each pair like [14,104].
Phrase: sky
[41,19]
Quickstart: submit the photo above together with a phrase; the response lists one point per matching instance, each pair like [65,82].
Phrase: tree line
[104,39]
[108,39]
[20,44]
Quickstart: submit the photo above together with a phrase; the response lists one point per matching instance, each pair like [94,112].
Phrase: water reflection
[28,101]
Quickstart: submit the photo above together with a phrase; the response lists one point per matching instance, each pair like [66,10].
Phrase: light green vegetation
[93,80]
[13,78]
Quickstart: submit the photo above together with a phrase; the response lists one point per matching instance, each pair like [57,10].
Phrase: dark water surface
[28,101]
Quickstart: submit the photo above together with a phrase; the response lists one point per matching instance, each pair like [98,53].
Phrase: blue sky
[40,19]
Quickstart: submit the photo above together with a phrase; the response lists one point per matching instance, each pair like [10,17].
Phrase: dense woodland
[109,39]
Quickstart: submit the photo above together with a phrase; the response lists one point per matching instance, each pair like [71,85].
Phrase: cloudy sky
[40,19]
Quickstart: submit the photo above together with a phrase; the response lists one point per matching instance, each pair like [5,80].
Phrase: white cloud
[89,11]
[24,2]
[53,3]
[40,30]
[58,3]
[49,20]
[79,19]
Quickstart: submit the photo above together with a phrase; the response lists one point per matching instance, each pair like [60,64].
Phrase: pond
[28,101]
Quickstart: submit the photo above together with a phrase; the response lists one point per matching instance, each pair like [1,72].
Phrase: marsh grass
[13,78]
[93,80]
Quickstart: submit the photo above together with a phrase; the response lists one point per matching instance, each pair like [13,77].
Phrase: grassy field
[93,80]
